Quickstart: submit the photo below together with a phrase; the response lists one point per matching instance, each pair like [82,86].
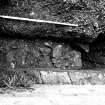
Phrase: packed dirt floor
[55,95]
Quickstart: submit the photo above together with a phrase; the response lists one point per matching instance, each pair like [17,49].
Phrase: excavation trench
[65,47]
[25,61]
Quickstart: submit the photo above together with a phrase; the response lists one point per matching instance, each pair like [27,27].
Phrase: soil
[55,95]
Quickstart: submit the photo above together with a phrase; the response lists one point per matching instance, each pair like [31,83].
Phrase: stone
[87,77]
[3,59]
[38,77]
[77,62]
[57,51]
[76,77]
[50,77]
[66,58]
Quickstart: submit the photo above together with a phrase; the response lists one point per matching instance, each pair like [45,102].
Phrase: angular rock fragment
[66,58]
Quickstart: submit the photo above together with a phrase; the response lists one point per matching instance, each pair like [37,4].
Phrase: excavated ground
[41,63]
[28,61]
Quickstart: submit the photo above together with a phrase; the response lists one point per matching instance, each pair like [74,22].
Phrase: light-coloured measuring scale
[37,20]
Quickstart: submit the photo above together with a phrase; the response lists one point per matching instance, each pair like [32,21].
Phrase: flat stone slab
[87,77]
[60,76]
[74,77]
[55,77]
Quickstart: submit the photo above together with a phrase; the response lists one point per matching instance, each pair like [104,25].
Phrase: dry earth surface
[56,95]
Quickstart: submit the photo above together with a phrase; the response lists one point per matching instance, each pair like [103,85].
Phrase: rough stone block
[55,77]
[87,77]
[65,57]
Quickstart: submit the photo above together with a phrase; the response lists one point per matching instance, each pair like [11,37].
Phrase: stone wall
[44,62]
[20,53]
